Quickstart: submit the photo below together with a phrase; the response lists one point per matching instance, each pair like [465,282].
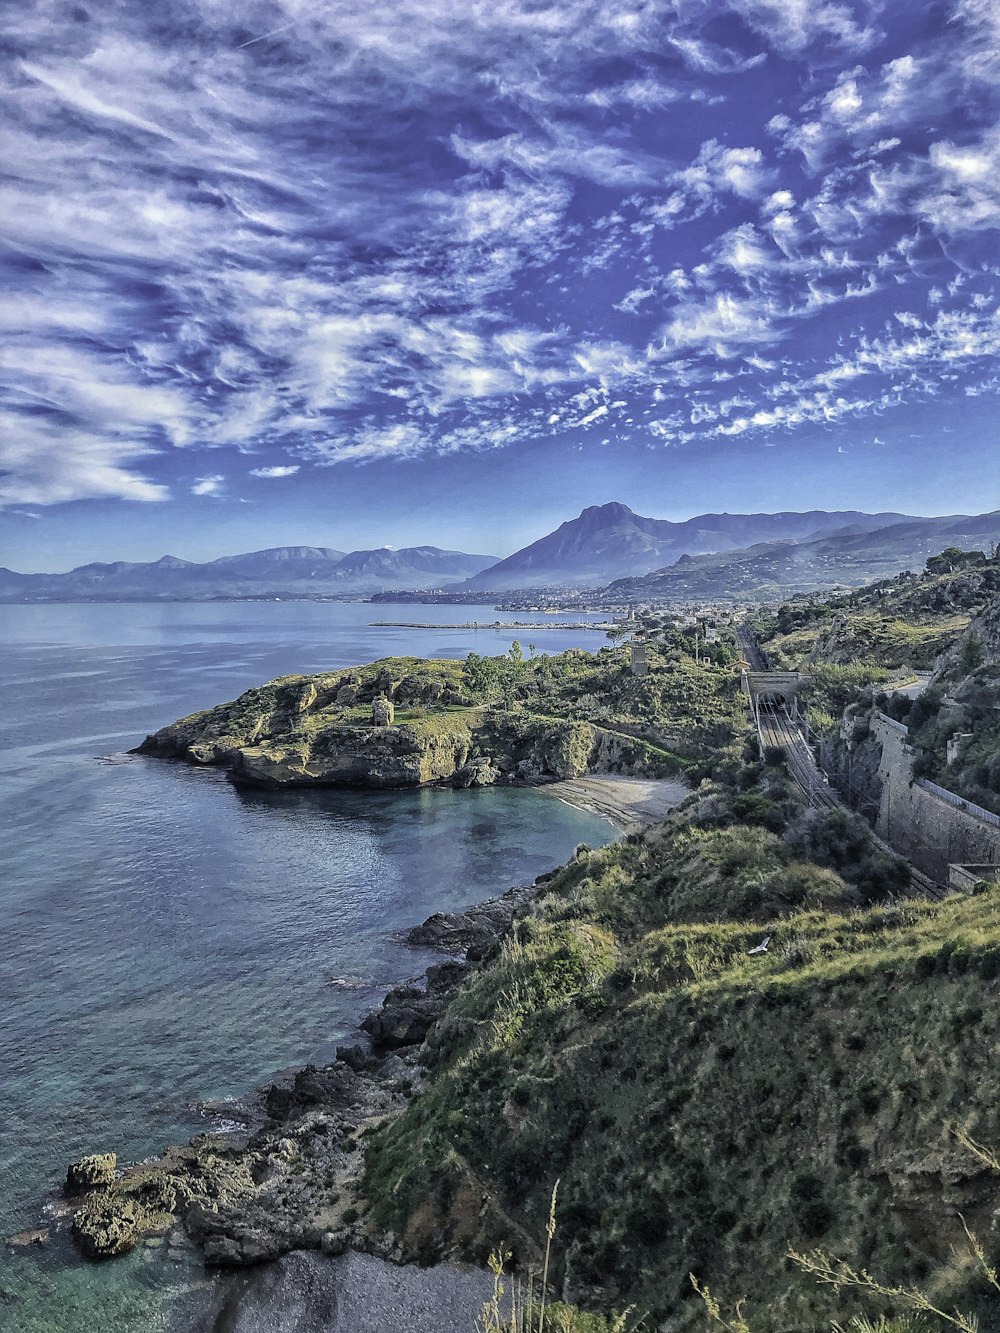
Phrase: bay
[167,939]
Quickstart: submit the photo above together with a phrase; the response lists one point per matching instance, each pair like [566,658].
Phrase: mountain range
[282,571]
[847,557]
[629,556]
[609,541]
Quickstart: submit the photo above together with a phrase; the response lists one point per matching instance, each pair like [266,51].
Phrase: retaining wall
[932,831]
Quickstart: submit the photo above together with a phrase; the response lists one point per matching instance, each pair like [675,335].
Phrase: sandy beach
[630,803]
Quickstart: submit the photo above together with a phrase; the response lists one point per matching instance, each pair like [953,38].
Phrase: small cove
[168,939]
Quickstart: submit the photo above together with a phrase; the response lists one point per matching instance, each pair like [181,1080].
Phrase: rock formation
[401,722]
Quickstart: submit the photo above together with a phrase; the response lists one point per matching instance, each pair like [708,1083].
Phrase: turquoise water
[166,939]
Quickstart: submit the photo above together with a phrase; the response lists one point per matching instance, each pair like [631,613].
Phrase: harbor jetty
[495,624]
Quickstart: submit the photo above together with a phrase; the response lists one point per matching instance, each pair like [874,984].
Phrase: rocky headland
[400,722]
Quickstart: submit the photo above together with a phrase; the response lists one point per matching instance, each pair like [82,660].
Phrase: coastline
[321,1114]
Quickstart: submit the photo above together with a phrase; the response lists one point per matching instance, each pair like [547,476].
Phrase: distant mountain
[283,571]
[290,561]
[610,541]
[846,558]
[384,566]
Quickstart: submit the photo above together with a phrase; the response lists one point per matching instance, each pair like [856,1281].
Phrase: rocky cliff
[319,731]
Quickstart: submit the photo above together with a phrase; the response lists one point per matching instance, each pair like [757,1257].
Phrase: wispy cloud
[345,233]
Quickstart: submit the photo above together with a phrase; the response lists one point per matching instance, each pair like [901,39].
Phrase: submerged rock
[36,1236]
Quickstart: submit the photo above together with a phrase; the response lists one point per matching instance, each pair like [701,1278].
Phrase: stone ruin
[383,712]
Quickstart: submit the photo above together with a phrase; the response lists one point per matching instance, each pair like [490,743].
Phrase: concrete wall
[922,826]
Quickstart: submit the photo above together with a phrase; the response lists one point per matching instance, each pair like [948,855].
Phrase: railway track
[751,649]
[776,728]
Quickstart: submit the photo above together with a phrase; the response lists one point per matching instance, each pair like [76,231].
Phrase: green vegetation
[903,622]
[680,706]
[511,718]
[707,1107]
[740,1051]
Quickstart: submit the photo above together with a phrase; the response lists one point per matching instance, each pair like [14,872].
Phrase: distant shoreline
[493,624]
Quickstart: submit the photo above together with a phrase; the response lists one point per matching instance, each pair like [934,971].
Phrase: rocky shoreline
[288,1182]
[288,1179]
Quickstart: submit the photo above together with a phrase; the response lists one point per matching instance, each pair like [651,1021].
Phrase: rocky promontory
[399,722]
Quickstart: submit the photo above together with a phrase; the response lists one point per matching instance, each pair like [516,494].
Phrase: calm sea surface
[166,939]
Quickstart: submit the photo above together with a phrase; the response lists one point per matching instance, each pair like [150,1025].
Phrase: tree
[972,653]
[481,677]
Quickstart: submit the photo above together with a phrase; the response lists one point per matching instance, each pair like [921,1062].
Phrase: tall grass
[526,1308]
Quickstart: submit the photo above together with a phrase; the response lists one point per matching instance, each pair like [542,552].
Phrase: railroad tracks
[751,649]
[775,728]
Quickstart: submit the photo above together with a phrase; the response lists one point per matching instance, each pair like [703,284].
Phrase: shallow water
[166,939]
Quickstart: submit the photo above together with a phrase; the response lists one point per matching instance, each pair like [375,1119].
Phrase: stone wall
[915,821]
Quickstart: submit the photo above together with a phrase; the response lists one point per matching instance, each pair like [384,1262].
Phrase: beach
[629,803]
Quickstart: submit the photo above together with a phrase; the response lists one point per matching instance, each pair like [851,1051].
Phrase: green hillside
[704,1108]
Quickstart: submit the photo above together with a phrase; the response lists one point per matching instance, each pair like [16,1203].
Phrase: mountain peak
[607,539]
[613,509]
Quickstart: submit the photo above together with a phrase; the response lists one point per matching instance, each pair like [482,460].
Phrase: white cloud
[962,192]
[724,325]
[208,485]
[51,461]
[228,243]
[564,150]
[283,470]
[795,25]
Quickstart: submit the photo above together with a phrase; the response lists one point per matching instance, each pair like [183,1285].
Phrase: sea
[168,941]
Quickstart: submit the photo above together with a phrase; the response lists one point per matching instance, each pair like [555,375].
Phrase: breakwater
[495,625]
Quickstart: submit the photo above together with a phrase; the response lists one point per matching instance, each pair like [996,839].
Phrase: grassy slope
[900,622]
[434,700]
[705,1109]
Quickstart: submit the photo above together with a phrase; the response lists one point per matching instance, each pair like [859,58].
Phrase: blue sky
[447,270]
